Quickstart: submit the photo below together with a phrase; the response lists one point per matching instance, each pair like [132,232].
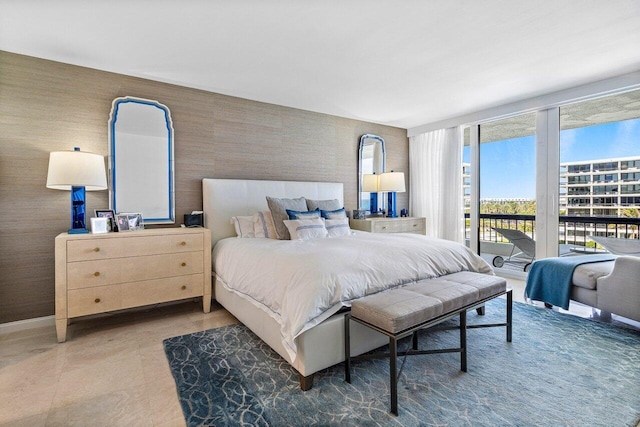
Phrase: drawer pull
[183,287]
[415,225]
[183,243]
[184,264]
[96,250]
[384,228]
[97,273]
[97,300]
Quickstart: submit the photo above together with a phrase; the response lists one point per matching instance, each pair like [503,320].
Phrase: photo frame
[110,215]
[129,221]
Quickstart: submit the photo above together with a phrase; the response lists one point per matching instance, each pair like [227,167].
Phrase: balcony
[572,230]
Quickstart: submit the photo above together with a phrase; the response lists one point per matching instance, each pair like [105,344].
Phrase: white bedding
[301,283]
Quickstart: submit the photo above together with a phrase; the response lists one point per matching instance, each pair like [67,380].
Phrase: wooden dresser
[97,273]
[390,225]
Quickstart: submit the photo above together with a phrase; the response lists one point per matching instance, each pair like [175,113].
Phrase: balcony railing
[572,229]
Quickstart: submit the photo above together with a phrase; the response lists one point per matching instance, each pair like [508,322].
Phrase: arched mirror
[371,159]
[141,159]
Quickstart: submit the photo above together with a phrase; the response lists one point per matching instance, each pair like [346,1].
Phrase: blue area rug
[559,370]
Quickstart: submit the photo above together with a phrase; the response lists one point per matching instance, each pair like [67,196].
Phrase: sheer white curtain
[435,160]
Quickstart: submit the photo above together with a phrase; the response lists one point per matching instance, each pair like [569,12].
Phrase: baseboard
[23,325]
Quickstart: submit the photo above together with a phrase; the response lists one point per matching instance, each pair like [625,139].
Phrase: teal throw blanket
[549,279]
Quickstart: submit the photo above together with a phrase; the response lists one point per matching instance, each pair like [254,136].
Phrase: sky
[507,168]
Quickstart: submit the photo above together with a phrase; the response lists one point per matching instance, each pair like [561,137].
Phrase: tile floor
[112,370]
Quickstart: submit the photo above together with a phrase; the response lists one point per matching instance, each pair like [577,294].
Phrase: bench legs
[393,374]
[393,346]
[393,354]
[463,341]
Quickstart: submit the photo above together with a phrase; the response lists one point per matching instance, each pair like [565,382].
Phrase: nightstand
[98,273]
[390,225]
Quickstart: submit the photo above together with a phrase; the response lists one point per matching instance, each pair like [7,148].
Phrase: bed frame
[319,347]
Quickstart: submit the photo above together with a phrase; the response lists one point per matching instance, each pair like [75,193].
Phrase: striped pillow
[334,214]
[305,229]
[263,225]
[243,226]
[338,227]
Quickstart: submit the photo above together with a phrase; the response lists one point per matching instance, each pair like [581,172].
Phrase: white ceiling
[400,63]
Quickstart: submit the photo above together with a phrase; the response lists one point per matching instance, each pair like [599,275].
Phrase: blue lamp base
[78,200]
[391,212]
[373,203]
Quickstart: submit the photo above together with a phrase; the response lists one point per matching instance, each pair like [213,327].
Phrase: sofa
[611,286]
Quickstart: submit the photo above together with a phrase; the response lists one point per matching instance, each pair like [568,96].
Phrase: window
[630,164]
[630,201]
[583,179]
[605,201]
[579,190]
[629,177]
[579,168]
[607,166]
[630,189]
[609,177]
[605,189]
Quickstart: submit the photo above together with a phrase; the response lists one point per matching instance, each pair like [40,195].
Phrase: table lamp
[78,172]
[370,185]
[392,182]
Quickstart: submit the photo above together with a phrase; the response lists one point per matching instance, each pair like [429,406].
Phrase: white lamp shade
[370,183]
[392,181]
[76,169]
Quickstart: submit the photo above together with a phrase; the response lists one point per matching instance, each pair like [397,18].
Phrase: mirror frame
[169,218]
[363,140]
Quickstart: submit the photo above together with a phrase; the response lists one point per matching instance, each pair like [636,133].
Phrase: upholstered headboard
[224,198]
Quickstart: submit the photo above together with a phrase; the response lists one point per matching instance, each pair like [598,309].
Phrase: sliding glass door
[506,190]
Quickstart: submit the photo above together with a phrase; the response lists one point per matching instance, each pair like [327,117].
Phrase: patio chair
[617,246]
[525,244]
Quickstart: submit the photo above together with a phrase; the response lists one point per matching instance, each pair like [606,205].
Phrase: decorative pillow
[335,214]
[278,208]
[263,225]
[327,205]
[305,229]
[338,227]
[303,215]
[243,226]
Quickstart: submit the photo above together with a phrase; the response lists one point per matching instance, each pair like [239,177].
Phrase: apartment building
[600,188]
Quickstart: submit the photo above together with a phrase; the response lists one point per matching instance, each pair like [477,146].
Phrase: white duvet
[301,283]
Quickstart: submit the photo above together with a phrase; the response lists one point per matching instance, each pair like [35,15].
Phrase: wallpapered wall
[48,106]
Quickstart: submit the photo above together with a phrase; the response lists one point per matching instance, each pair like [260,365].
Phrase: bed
[265,283]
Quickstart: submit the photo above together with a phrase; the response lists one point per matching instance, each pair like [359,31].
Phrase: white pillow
[338,227]
[305,229]
[243,226]
[263,225]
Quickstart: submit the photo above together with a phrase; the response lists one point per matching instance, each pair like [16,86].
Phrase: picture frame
[110,215]
[130,221]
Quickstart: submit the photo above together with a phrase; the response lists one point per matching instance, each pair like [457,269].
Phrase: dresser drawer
[86,274]
[122,247]
[83,302]
[398,226]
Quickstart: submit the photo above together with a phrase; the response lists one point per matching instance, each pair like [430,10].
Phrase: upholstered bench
[402,311]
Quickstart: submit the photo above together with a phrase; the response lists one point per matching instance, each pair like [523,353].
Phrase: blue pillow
[303,215]
[337,214]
